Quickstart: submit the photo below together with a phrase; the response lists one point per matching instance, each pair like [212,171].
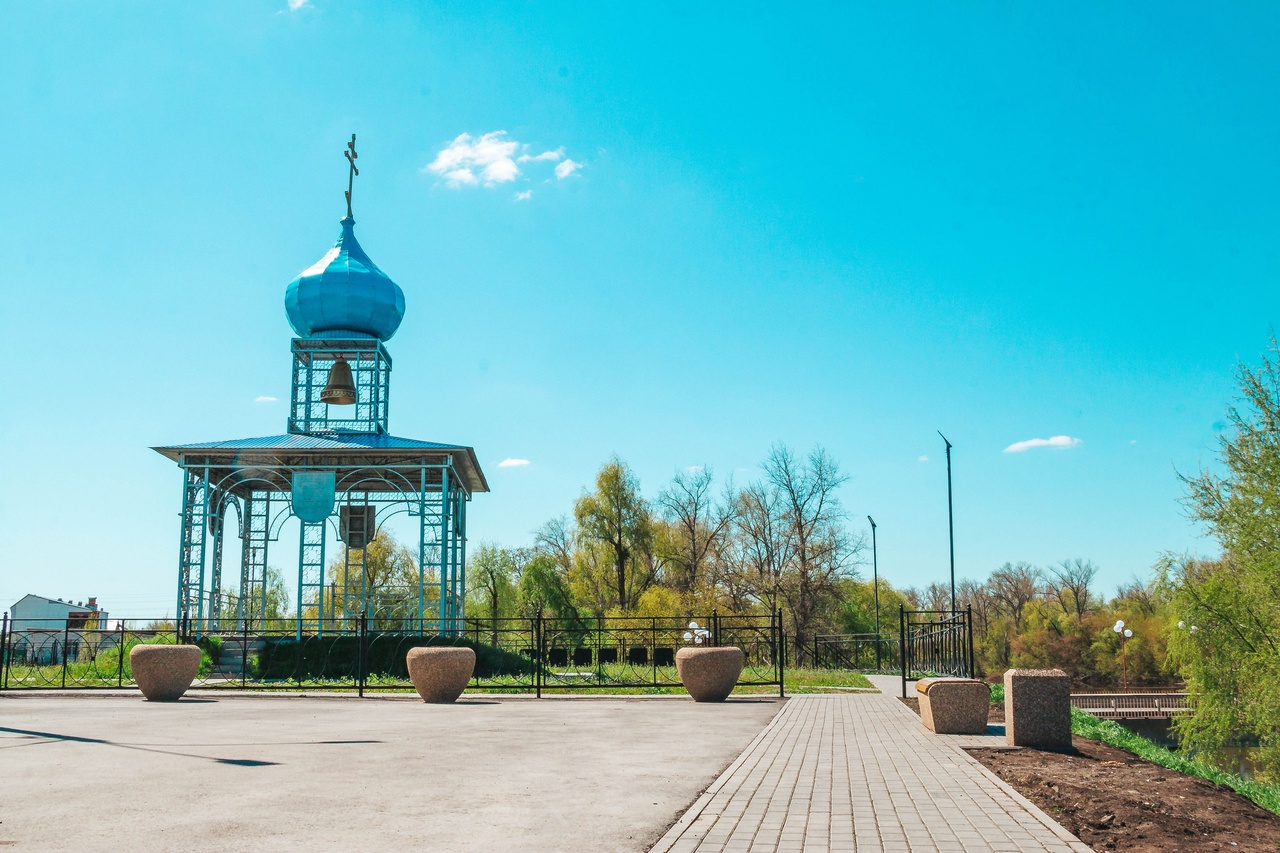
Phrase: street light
[1125,634]
[951,525]
[875,581]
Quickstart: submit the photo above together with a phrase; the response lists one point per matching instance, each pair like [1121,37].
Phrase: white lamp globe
[693,626]
[1128,633]
[687,636]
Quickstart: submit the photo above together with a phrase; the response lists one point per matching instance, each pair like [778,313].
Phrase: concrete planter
[440,673]
[954,706]
[709,674]
[164,673]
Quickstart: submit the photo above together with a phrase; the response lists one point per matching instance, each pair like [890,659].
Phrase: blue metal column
[253,574]
[461,533]
[422,545]
[195,521]
[311,574]
[444,608]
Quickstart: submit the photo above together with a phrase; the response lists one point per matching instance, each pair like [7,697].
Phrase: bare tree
[977,597]
[1069,582]
[937,596]
[698,522]
[556,539]
[765,542]
[822,549]
[1014,586]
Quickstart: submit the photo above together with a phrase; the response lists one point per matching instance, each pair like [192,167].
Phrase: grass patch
[1111,733]
[824,680]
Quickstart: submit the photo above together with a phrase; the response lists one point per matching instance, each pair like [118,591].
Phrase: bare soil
[1113,800]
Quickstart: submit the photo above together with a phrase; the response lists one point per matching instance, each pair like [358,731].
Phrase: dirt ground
[1113,800]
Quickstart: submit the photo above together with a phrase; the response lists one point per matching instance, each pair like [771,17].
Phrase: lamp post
[951,525]
[875,582]
[1125,634]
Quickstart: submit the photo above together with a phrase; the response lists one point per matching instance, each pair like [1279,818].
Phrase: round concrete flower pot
[709,674]
[440,673]
[164,673]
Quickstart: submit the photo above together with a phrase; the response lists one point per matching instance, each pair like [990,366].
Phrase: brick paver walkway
[860,773]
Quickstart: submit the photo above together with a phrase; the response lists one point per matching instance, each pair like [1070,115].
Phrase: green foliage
[616,518]
[322,658]
[1227,611]
[1084,724]
[210,649]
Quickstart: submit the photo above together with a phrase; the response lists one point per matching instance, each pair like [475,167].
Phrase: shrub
[326,658]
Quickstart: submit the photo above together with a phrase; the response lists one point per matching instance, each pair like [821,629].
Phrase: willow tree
[1227,639]
[616,517]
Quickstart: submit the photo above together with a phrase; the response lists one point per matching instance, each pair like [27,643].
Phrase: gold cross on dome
[351,156]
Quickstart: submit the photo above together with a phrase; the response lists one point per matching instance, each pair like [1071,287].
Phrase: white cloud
[923,459]
[491,155]
[1059,441]
[295,5]
[510,462]
[264,399]
[492,159]
[553,156]
[566,168]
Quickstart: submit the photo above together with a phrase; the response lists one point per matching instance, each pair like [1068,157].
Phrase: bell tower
[337,472]
[343,308]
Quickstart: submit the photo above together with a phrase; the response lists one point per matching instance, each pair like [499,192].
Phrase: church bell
[341,388]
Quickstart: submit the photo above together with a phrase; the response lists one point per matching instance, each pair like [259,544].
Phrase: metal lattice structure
[371,369]
[337,473]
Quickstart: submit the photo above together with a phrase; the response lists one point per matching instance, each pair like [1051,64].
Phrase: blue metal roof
[337,441]
[340,443]
[344,295]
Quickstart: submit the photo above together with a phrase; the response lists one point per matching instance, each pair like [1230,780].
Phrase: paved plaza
[273,773]
[852,772]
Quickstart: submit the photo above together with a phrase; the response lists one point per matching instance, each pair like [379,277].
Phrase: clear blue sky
[851,226]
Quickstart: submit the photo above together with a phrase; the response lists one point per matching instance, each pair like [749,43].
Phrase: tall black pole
[951,525]
[875,581]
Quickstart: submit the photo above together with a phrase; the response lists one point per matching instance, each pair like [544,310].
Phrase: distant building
[39,628]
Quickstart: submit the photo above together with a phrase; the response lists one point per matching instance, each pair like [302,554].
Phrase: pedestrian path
[860,773]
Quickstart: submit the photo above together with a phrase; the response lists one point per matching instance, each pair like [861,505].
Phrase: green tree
[617,517]
[1231,659]
[492,573]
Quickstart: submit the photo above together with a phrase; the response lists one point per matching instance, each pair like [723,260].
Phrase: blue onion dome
[344,295]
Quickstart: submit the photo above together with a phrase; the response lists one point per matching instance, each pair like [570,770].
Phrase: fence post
[360,654]
[538,653]
[973,671]
[66,633]
[782,659]
[244,652]
[653,648]
[120,662]
[4,652]
[902,645]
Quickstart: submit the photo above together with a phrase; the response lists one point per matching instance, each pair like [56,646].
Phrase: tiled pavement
[860,773]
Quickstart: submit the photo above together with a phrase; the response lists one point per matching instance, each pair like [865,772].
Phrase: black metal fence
[935,643]
[865,652]
[536,654]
